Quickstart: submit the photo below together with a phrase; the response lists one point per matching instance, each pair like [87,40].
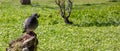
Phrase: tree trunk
[25,2]
[67,21]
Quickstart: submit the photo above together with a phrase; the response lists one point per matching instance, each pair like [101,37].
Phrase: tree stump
[28,42]
[25,2]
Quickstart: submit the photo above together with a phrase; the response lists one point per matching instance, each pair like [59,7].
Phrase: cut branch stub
[69,8]
[27,42]
[65,11]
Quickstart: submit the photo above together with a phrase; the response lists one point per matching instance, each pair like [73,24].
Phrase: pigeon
[31,23]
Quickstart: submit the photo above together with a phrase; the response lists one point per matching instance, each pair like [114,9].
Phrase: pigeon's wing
[26,23]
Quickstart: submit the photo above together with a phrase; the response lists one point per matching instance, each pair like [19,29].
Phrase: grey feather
[31,23]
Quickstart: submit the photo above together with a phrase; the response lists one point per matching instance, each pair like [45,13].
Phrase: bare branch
[69,8]
[61,4]
[65,11]
[57,2]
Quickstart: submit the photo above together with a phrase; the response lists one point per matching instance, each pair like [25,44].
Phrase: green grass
[96,25]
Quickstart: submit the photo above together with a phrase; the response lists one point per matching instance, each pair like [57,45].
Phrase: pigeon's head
[35,15]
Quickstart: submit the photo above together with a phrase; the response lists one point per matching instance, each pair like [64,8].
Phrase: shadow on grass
[94,4]
[97,24]
[79,6]
[43,6]
[75,6]
[114,0]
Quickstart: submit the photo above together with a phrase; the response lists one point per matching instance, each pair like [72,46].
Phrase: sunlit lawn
[96,25]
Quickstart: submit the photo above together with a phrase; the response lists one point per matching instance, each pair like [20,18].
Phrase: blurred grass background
[96,25]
